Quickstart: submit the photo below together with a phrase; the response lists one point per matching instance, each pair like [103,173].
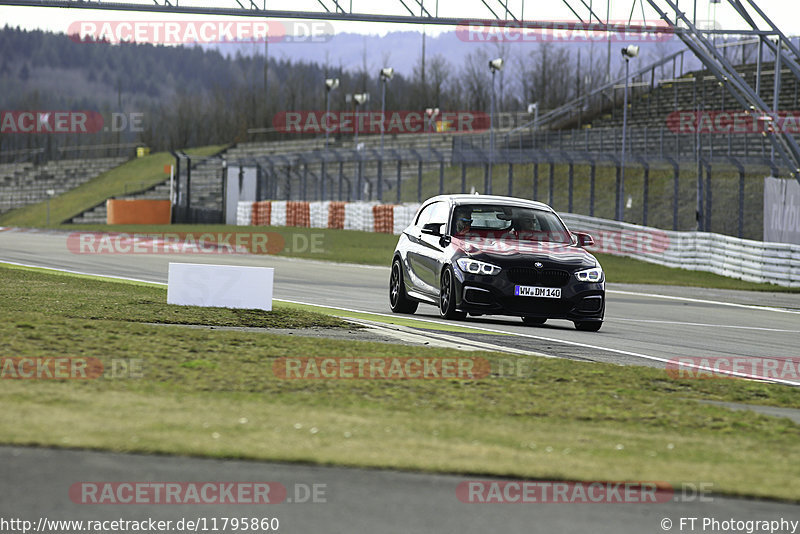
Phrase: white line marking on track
[443,340]
[626,319]
[703,301]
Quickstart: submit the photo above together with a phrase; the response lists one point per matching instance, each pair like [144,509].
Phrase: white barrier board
[222,286]
[781,211]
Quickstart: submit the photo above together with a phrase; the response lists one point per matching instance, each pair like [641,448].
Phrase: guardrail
[753,261]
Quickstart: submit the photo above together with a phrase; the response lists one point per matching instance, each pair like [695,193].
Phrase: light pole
[533,109]
[628,52]
[386,75]
[430,121]
[494,65]
[50,194]
[330,85]
[359,99]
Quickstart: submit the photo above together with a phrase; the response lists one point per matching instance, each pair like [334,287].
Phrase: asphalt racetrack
[34,484]
[644,326]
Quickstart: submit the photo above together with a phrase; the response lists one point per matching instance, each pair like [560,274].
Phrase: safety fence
[754,261]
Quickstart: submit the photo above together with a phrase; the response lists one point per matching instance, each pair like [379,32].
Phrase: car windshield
[523,223]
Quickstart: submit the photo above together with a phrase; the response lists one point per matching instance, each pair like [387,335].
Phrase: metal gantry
[398,11]
[339,10]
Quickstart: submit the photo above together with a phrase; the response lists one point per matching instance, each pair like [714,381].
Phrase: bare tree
[475,81]
[439,72]
[551,72]
[364,74]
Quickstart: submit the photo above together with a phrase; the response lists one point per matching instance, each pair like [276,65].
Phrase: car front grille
[537,277]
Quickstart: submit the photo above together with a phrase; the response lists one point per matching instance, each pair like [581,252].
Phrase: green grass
[135,175]
[213,393]
[369,248]
[89,297]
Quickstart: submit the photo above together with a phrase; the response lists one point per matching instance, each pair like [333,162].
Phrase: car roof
[490,199]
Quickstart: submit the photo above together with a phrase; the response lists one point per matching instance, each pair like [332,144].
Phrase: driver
[463,220]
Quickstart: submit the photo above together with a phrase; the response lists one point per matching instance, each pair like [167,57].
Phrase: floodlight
[630,51]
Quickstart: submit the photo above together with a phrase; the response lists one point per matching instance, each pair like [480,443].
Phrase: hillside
[194,96]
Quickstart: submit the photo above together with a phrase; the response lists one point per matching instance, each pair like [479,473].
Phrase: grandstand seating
[649,133]
[22,184]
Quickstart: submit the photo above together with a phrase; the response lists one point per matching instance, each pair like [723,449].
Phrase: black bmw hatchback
[491,255]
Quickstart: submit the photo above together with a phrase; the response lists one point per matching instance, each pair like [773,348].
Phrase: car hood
[512,251]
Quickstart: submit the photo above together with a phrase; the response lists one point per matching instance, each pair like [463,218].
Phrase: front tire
[588,326]
[447,296]
[398,300]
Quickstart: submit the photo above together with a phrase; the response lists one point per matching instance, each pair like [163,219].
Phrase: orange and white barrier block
[363,216]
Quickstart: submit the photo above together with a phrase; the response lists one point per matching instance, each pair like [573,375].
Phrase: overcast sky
[786,13]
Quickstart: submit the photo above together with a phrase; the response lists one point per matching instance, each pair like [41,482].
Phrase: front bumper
[494,295]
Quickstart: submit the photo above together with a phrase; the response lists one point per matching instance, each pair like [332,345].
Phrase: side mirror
[434,229]
[584,239]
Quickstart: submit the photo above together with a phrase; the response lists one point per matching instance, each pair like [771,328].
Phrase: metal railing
[55,153]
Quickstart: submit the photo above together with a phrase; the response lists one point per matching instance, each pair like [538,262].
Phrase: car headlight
[594,274]
[477,267]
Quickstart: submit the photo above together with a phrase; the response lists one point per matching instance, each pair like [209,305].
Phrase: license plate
[541,292]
